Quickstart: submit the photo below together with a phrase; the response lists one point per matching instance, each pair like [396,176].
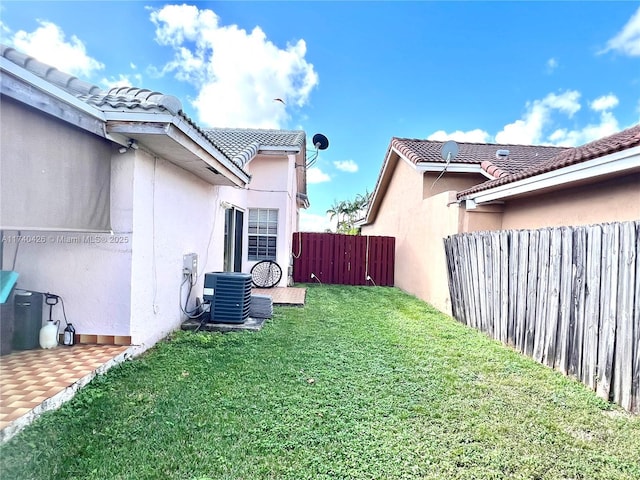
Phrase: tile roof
[129,98]
[520,156]
[117,99]
[623,140]
[67,82]
[241,144]
[238,145]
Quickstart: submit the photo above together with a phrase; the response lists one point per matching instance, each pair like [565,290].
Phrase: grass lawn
[361,383]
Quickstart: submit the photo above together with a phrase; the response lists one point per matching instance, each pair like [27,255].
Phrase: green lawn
[361,383]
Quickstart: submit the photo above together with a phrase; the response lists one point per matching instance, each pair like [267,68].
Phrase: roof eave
[195,152]
[381,186]
[618,162]
[453,168]
[29,89]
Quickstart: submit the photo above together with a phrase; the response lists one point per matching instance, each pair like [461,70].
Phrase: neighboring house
[420,198]
[104,192]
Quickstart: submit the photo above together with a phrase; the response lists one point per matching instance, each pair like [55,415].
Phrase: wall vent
[229,294]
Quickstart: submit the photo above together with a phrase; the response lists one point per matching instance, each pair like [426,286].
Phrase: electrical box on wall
[190,264]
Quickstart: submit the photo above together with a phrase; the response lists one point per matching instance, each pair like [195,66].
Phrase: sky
[361,73]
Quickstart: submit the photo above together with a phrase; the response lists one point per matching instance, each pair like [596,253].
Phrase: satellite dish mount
[448,152]
[320,142]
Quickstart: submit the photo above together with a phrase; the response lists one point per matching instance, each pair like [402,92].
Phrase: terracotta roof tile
[492,169]
[614,143]
[520,156]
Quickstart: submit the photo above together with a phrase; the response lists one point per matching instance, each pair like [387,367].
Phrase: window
[263,232]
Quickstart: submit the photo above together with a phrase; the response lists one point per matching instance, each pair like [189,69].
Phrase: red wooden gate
[343,259]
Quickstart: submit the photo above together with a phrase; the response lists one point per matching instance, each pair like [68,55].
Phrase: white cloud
[48,44]
[607,125]
[571,138]
[346,166]
[472,136]
[311,222]
[606,102]
[238,74]
[627,41]
[541,123]
[315,175]
[552,64]
[529,130]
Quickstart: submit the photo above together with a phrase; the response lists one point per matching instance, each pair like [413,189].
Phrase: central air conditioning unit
[229,294]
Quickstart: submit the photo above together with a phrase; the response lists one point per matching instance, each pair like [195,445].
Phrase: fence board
[451,276]
[465,243]
[635,380]
[532,293]
[609,293]
[553,298]
[481,291]
[539,326]
[503,296]
[472,255]
[576,326]
[569,297]
[521,301]
[624,336]
[514,281]
[592,305]
[564,315]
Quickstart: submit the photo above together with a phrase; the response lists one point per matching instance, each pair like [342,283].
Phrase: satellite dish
[320,141]
[449,150]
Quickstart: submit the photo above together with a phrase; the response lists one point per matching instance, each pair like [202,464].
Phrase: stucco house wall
[131,280]
[615,200]
[63,260]
[273,186]
[175,214]
[418,225]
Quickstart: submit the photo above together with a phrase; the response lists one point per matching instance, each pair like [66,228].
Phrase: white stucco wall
[273,186]
[128,284]
[175,213]
[91,272]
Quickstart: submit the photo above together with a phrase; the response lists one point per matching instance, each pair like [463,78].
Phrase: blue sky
[361,73]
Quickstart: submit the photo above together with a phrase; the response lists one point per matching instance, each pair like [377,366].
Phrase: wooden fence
[568,297]
[343,259]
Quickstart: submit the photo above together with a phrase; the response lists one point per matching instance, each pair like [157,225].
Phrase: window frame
[262,234]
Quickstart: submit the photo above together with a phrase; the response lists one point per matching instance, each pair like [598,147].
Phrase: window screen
[263,233]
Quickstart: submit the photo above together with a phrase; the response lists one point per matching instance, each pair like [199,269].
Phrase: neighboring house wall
[595,183]
[616,200]
[419,226]
[434,182]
